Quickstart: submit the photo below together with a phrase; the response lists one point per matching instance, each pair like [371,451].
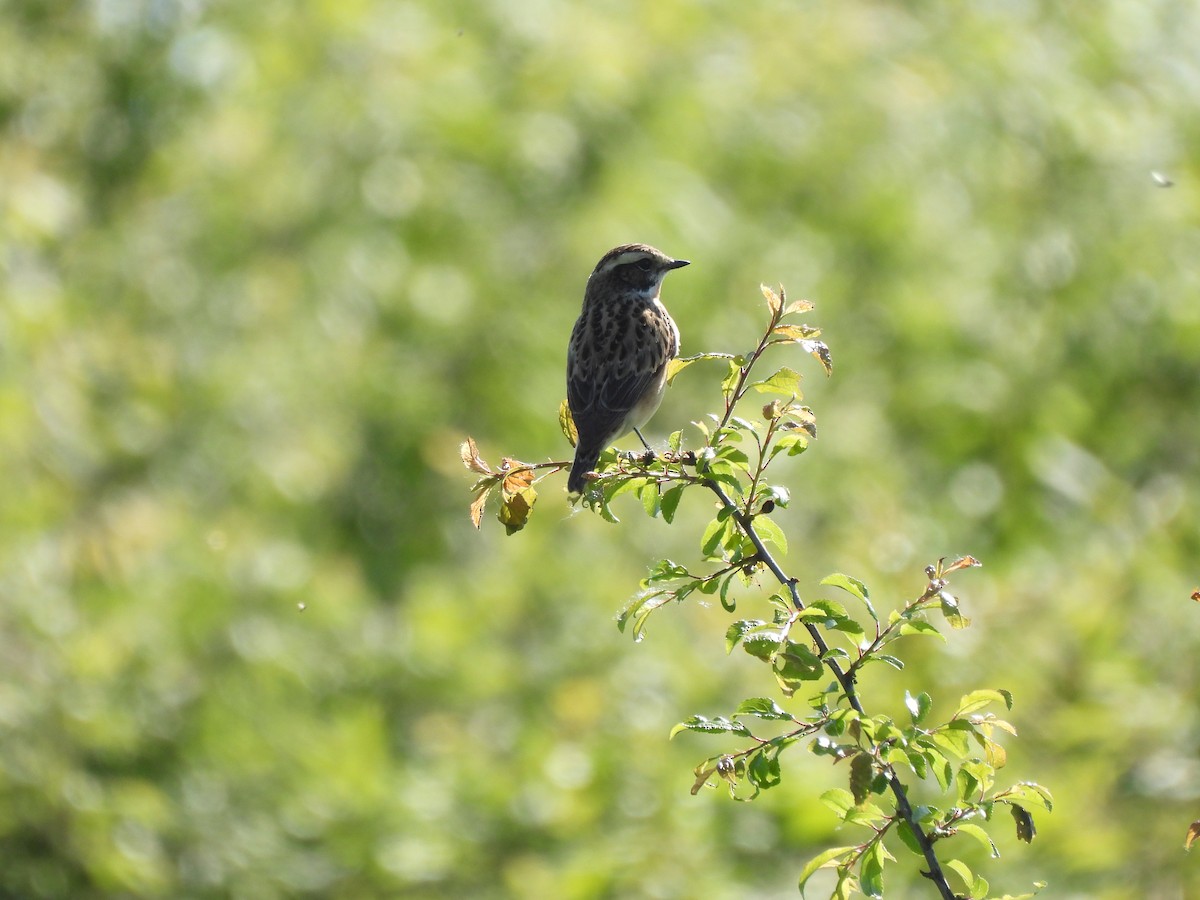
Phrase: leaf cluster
[814,650]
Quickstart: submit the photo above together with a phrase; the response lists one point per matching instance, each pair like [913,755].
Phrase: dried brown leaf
[471,459]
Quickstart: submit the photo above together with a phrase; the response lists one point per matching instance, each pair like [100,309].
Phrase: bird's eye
[644,265]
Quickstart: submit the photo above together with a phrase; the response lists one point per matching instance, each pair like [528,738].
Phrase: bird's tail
[585,461]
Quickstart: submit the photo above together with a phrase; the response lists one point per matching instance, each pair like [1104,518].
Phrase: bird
[618,354]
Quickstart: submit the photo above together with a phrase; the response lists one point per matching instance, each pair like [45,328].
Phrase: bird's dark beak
[679,263]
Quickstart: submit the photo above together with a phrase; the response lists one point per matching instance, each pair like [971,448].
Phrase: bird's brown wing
[607,378]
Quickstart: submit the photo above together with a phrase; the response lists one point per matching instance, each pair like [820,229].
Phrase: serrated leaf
[679,363]
[980,835]
[795,664]
[715,534]
[670,502]
[651,496]
[962,870]
[1031,791]
[705,725]
[771,533]
[738,630]
[851,586]
[824,860]
[871,871]
[762,644]
[763,708]
[838,800]
[786,381]
[796,332]
[793,444]
[909,838]
[977,700]
[918,627]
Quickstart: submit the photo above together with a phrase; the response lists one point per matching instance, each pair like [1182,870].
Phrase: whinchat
[619,350]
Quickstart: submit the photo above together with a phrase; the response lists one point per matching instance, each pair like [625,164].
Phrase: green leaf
[980,835]
[871,870]
[665,570]
[705,725]
[918,627]
[909,838]
[763,644]
[677,365]
[777,494]
[670,502]
[1028,791]
[786,381]
[793,444]
[738,630]
[862,773]
[824,860]
[729,383]
[715,535]
[794,665]
[763,708]
[951,740]
[651,497]
[838,800]
[954,618]
[851,586]
[763,771]
[979,699]
[918,706]
[963,871]
[770,533]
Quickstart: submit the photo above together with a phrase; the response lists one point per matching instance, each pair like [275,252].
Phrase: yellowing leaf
[1193,832]
[796,332]
[567,423]
[774,301]
[798,306]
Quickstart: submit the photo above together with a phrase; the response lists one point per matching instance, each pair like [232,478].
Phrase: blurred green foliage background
[264,265]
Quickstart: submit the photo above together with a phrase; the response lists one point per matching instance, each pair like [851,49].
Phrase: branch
[846,681]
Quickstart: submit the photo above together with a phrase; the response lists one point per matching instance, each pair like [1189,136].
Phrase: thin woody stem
[846,681]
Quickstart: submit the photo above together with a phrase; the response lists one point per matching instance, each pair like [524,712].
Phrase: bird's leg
[650,454]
